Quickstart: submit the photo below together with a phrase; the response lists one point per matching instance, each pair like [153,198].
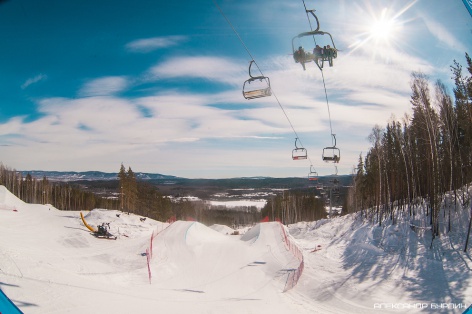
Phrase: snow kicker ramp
[191,257]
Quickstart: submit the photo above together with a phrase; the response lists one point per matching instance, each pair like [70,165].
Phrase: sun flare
[379,31]
[382,28]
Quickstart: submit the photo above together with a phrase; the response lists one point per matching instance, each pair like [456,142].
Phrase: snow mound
[195,258]
[124,224]
[252,234]
[8,200]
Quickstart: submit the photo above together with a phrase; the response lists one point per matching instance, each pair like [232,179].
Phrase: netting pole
[148,264]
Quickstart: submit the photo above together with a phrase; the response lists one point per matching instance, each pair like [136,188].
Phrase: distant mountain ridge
[256,187]
[97,180]
[106,176]
[67,176]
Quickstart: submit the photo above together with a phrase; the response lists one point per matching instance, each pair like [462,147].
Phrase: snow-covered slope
[50,263]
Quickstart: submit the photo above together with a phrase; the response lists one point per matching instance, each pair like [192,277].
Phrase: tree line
[134,197]
[421,157]
[144,199]
[141,198]
[61,195]
[294,206]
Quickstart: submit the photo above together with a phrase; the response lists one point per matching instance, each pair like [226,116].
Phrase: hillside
[51,264]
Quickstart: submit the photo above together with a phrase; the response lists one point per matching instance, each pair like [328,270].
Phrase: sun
[379,31]
[383,28]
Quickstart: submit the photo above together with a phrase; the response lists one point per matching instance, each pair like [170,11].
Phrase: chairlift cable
[308,18]
[322,75]
[237,34]
[327,103]
[252,58]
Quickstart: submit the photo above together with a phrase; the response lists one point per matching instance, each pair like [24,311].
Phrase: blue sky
[88,85]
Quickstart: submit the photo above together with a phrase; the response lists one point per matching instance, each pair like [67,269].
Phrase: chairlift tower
[330,205]
[122,198]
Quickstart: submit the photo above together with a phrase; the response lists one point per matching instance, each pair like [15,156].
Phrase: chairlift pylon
[262,86]
[299,152]
[319,54]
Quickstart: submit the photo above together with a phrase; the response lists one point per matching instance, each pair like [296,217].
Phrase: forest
[144,198]
[423,157]
[295,206]
[132,196]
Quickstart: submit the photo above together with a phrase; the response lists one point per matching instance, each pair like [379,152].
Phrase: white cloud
[35,79]
[210,68]
[203,121]
[443,35]
[217,131]
[11,127]
[104,86]
[150,44]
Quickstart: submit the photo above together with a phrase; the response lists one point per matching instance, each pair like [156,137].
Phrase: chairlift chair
[319,56]
[299,153]
[313,175]
[332,153]
[262,88]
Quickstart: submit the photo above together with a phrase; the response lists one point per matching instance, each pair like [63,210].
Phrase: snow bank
[8,200]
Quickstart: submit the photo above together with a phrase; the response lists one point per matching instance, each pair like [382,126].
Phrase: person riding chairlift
[299,55]
[329,51]
[317,52]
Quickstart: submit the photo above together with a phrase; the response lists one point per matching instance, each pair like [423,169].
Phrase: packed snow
[51,263]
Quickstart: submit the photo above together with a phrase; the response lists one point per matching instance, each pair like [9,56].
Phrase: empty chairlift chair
[299,152]
[312,175]
[260,86]
[335,191]
[332,153]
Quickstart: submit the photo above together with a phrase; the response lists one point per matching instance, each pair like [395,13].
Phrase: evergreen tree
[122,186]
[131,190]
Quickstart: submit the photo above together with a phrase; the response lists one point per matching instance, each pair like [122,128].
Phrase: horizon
[176,177]
[160,88]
